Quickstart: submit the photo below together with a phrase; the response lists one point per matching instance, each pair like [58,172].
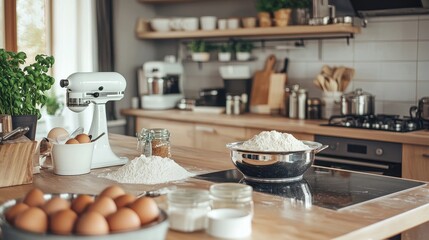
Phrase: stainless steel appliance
[384,158]
[382,122]
[161,85]
[357,102]
[421,111]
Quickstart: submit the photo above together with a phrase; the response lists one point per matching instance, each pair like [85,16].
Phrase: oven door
[374,167]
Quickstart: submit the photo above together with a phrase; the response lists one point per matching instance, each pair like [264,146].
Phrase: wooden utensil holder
[16,161]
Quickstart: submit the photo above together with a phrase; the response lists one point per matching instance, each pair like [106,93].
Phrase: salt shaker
[229,105]
[237,105]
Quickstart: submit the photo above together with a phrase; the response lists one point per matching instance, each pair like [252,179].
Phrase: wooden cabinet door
[415,162]
[250,132]
[181,133]
[213,137]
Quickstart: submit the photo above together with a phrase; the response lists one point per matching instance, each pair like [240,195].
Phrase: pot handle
[321,148]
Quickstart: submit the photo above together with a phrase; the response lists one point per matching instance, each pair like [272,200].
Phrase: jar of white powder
[187,209]
[232,195]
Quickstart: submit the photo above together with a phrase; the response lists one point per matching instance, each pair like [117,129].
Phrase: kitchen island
[274,217]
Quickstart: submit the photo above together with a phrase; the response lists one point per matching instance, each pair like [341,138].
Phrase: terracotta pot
[264,19]
[282,17]
[282,13]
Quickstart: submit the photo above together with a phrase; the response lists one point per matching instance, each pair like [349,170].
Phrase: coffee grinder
[160,87]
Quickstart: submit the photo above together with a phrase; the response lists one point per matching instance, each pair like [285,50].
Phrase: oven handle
[356,163]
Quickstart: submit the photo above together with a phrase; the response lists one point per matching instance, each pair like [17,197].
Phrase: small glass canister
[187,209]
[154,142]
[232,195]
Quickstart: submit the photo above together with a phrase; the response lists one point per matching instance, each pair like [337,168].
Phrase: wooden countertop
[274,217]
[279,123]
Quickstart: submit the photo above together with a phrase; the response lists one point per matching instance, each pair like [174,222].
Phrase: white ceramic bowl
[156,230]
[72,159]
[235,72]
[229,223]
[160,24]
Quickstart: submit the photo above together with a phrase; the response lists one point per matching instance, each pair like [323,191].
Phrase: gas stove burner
[382,122]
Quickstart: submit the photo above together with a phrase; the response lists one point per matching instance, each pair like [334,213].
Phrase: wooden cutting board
[261,83]
[276,91]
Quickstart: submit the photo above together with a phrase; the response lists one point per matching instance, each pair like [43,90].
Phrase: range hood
[376,8]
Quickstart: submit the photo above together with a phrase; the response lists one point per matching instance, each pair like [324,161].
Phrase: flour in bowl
[148,170]
[274,141]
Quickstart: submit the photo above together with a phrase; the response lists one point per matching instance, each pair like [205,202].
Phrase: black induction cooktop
[324,187]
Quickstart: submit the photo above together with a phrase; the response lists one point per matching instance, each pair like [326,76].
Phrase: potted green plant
[54,108]
[243,50]
[22,88]
[225,52]
[200,50]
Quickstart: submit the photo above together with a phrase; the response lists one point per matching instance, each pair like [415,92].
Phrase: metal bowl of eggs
[273,166]
[67,216]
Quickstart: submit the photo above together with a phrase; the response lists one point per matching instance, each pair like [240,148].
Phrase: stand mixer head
[97,88]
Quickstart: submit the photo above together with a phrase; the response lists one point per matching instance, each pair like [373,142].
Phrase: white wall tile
[422,89]
[389,91]
[389,30]
[308,53]
[393,18]
[423,71]
[385,51]
[423,53]
[424,30]
[386,71]
[399,108]
[337,51]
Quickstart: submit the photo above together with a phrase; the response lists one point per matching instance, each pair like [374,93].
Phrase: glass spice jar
[187,209]
[232,195]
[154,142]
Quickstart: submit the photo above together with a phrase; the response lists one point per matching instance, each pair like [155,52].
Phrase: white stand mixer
[98,88]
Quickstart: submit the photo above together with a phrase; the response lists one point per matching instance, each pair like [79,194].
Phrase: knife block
[16,161]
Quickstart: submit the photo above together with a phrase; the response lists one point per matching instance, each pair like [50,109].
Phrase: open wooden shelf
[298,31]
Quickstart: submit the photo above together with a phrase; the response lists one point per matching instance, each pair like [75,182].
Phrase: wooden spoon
[321,81]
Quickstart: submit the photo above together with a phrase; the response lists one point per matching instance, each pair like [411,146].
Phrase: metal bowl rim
[314,146]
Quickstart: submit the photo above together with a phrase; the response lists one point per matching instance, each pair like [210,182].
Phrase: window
[25,26]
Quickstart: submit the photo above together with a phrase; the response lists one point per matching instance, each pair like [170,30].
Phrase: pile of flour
[148,170]
[274,141]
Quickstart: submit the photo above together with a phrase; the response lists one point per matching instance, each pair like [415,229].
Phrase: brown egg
[124,200]
[14,211]
[34,198]
[124,219]
[62,222]
[91,223]
[55,204]
[146,208]
[72,141]
[56,132]
[80,203]
[33,219]
[83,138]
[103,205]
[112,192]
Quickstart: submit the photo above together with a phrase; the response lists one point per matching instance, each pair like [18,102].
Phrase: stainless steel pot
[424,108]
[357,102]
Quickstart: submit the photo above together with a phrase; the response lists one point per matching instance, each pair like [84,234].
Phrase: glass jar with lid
[154,142]
[187,209]
[231,195]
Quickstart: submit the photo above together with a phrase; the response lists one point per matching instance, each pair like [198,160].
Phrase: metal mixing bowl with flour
[273,166]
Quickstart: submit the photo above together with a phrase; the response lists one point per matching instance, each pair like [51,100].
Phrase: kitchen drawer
[415,162]
[214,137]
[250,132]
[181,134]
